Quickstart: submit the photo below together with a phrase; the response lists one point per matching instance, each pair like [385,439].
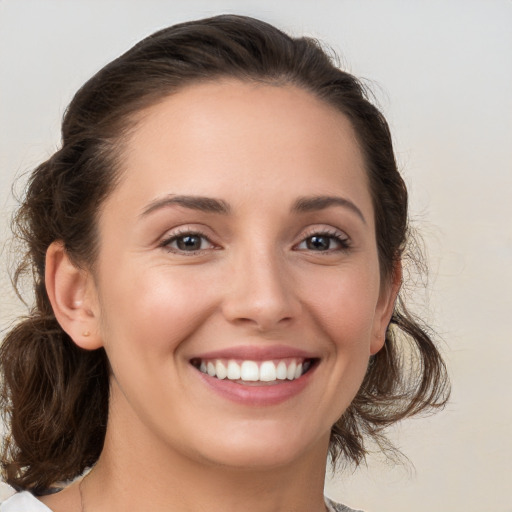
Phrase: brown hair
[55,395]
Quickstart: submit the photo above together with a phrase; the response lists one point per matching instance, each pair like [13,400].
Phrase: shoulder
[23,502]
[337,507]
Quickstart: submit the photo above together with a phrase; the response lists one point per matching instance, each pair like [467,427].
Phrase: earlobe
[386,307]
[71,293]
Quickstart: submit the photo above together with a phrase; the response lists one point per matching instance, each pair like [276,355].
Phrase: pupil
[318,243]
[189,242]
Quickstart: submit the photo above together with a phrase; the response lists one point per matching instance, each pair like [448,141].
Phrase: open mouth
[248,371]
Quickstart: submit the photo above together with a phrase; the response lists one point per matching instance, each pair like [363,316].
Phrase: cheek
[154,310]
[344,308]
[344,304]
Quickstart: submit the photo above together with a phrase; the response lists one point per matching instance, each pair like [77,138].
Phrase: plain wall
[442,72]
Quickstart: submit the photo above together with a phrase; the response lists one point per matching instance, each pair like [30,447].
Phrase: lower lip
[255,395]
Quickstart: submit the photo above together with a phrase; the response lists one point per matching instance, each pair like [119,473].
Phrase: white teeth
[281,371]
[221,370]
[290,373]
[268,371]
[234,372]
[251,371]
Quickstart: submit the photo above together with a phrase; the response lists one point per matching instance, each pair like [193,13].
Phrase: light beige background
[442,72]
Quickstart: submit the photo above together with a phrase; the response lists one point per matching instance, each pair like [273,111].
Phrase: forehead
[217,138]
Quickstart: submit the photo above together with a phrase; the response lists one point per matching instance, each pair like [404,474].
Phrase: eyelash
[338,237]
[342,240]
[166,243]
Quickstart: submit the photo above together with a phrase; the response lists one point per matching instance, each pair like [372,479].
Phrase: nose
[261,293]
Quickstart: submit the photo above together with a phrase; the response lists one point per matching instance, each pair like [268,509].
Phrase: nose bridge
[261,290]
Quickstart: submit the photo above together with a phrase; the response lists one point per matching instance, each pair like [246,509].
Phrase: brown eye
[187,242]
[319,243]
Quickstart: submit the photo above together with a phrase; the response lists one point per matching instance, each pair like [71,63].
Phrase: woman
[216,252]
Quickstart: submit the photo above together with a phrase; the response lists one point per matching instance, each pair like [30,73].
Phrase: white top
[23,502]
[26,502]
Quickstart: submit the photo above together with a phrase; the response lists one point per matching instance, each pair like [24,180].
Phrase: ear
[385,307]
[72,295]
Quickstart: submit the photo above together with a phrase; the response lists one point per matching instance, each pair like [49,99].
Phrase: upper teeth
[265,371]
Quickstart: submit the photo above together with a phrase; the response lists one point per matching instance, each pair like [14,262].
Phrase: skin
[256,280]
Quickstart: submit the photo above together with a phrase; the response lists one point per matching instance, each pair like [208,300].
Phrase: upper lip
[257,353]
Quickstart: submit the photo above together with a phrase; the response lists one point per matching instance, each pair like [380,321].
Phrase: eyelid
[182,231]
[328,231]
[336,234]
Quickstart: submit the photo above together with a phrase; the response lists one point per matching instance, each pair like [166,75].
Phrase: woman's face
[237,285]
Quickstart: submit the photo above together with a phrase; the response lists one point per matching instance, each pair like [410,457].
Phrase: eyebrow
[315,203]
[203,204]
[212,205]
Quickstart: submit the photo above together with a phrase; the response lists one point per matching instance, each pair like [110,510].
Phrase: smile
[258,376]
[288,369]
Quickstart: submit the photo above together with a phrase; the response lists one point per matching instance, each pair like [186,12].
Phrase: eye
[324,242]
[187,242]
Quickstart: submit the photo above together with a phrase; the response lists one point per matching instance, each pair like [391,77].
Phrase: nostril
[264,324]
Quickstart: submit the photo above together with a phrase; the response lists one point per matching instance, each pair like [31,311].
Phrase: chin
[264,449]
[252,459]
